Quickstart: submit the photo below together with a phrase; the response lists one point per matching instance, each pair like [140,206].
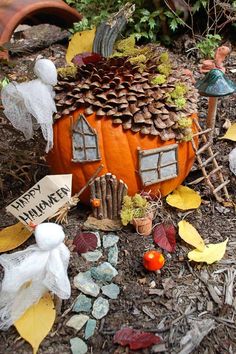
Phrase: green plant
[4,82]
[134,207]
[208,45]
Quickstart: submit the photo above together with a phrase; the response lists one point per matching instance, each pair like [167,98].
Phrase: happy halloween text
[38,210]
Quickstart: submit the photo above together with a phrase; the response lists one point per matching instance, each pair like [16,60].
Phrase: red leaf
[85,241]
[135,339]
[164,236]
[86,58]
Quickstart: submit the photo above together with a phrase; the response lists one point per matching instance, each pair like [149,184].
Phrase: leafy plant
[4,82]
[134,207]
[208,45]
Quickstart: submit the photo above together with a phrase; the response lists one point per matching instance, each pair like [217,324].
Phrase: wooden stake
[114,197]
[93,196]
[103,201]
[211,115]
[99,196]
[109,196]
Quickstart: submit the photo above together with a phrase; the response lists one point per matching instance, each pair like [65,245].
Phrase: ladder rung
[203,148]
[202,132]
[222,185]
[215,170]
[209,159]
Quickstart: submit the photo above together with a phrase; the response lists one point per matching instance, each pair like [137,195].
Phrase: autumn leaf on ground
[184,198]
[231,133]
[85,241]
[211,253]
[135,339]
[164,236]
[13,236]
[190,235]
[86,58]
[80,42]
[35,324]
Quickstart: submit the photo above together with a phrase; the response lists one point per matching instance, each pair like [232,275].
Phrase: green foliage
[4,82]
[208,45]
[177,95]
[184,122]
[158,80]
[133,207]
[70,71]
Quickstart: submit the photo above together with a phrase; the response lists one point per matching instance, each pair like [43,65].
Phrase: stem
[211,115]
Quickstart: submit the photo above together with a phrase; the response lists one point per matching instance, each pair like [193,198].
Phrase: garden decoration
[217,63]
[15,12]
[132,112]
[34,100]
[153,260]
[31,273]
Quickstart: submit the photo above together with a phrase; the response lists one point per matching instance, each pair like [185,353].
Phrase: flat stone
[92,256]
[112,290]
[90,328]
[104,272]
[85,283]
[100,308]
[109,240]
[98,238]
[113,255]
[82,304]
[78,346]
[77,321]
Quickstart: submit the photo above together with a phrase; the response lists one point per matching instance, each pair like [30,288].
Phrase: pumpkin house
[131,113]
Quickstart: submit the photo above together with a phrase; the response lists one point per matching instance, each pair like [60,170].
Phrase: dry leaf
[184,198]
[190,235]
[164,236]
[80,42]
[13,236]
[35,324]
[227,124]
[85,241]
[135,339]
[231,133]
[211,253]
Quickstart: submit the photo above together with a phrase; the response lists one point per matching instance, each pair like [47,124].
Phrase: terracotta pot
[15,12]
[143,225]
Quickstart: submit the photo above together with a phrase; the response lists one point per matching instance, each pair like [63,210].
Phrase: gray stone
[104,272]
[82,304]
[85,283]
[78,346]
[100,308]
[113,255]
[90,328]
[77,321]
[109,240]
[92,256]
[98,238]
[112,290]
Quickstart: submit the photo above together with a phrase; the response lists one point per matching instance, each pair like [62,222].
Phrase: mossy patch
[69,71]
[158,80]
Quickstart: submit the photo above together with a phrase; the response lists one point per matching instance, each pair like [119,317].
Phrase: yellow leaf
[13,236]
[184,198]
[231,133]
[190,235]
[35,324]
[211,253]
[80,42]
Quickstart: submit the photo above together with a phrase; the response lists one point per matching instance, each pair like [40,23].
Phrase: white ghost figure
[29,274]
[32,102]
[232,161]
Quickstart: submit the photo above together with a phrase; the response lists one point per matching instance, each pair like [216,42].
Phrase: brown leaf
[85,241]
[164,236]
[135,339]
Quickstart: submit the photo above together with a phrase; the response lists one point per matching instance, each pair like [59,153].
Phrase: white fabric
[29,274]
[31,103]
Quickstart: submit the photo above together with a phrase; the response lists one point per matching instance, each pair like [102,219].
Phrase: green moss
[127,202]
[126,216]
[184,122]
[164,69]
[139,201]
[158,80]
[138,59]
[126,45]
[179,91]
[133,207]
[188,134]
[67,71]
[164,58]
[180,102]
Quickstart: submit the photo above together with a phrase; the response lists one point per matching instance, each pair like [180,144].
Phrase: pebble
[113,255]
[77,321]
[100,308]
[104,272]
[112,290]
[78,346]
[82,304]
[98,238]
[109,240]
[85,283]
[92,256]
[90,328]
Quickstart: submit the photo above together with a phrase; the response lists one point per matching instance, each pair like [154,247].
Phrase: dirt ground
[167,302]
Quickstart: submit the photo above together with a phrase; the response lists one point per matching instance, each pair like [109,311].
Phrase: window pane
[168,157]
[149,161]
[90,140]
[149,177]
[168,171]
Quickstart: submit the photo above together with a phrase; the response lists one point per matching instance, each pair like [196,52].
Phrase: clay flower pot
[15,12]
[143,226]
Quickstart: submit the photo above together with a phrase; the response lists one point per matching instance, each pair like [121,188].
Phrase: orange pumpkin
[118,152]
[153,260]
[96,202]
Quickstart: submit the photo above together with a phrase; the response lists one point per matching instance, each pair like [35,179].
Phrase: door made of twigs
[107,193]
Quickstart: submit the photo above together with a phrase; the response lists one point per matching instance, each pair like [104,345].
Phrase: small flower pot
[143,225]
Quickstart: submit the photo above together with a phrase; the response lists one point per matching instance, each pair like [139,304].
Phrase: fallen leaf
[190,235]
[13,236]
[85,241]
[227,124]
[35,324]
[135,339]
[80,42]
[231,133]
[86,58]
[184,198]
[211,253]
[164,236]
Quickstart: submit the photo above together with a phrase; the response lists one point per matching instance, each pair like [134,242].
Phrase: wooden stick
[93,196]
[211,115]
[103,201]
[98,170]
[109,195]
[99,196]
[114,197]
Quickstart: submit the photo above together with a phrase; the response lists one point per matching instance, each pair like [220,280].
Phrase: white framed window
[84,142]
[156,165]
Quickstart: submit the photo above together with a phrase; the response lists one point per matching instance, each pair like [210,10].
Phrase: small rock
[78,346]
[112,290]
[90,328]
[113,255]
[100,308]
[159,348]
[92,256]
[98,238]
[85,283]
[109,240]
[77,321]
[82,304]
[104,272]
